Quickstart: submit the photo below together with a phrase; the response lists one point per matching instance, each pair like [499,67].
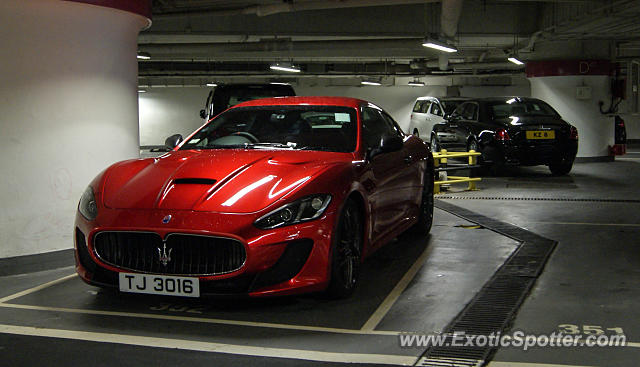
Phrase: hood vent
[194,181]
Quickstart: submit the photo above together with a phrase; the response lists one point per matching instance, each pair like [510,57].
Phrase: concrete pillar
[573,88]
[68,108]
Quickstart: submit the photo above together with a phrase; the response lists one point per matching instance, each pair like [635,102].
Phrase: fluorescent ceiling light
[212,85]
[367,82]
[515,61]
[287,68]
[143,56]
[416,83]
[142,91]
[440,46]
[280,83]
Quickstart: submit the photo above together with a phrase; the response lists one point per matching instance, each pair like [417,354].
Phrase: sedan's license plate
[548,134]
[159,284]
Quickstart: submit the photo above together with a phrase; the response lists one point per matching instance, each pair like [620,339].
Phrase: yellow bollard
[472,158]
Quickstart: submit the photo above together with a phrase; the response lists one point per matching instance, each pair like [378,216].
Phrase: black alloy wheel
[347,252]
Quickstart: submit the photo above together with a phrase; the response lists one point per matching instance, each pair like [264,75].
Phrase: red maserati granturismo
[271,197]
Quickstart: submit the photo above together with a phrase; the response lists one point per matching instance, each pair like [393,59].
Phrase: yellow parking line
[392,297]
[145,341]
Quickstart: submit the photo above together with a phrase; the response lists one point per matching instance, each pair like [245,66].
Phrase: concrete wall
[167,111]
[68,85]
[632,122]
[596,130]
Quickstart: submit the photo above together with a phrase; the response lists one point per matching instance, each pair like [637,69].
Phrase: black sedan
[509,131]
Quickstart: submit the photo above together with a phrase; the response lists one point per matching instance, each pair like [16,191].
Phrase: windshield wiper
[269,145]
[324,149]
[213,146]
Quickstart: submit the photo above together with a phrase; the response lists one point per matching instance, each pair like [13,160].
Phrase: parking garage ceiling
[195,42]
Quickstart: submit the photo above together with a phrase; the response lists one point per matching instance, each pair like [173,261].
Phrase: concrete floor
[416,285]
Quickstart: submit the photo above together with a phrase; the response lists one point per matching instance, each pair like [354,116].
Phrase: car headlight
[305,209]
[88,207]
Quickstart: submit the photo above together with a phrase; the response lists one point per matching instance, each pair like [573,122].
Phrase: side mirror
[390,143]
[203,114]
[173,141]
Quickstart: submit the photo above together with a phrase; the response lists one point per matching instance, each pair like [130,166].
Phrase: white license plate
[159,284]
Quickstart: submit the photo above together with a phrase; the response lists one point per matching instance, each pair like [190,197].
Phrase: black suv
[227,95]
[509,130]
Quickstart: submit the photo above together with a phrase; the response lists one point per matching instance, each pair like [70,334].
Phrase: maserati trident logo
[166,219]
[163,255]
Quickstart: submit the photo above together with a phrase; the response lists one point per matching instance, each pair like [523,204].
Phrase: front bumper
[287,260]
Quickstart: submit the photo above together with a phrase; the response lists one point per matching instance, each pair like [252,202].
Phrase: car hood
[230,180]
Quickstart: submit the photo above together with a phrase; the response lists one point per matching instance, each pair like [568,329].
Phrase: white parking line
[202,320]
[389,301]
[590,224]
[36,288]
[145,341]
[175,318]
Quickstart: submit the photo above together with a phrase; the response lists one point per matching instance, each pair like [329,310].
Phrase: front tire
[346,253]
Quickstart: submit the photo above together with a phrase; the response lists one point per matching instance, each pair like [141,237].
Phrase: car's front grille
[179,254]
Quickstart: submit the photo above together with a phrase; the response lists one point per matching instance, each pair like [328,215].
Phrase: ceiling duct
[449,17]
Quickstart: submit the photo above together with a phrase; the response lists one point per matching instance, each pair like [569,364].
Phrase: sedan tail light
[502,135]
[573,134]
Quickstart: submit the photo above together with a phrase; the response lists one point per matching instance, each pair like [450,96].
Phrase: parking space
[413,285]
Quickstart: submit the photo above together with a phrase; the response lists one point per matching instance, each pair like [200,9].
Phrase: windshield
[325,128]
[450,106]
[521,108]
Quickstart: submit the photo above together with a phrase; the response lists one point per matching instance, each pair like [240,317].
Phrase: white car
[428,111]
